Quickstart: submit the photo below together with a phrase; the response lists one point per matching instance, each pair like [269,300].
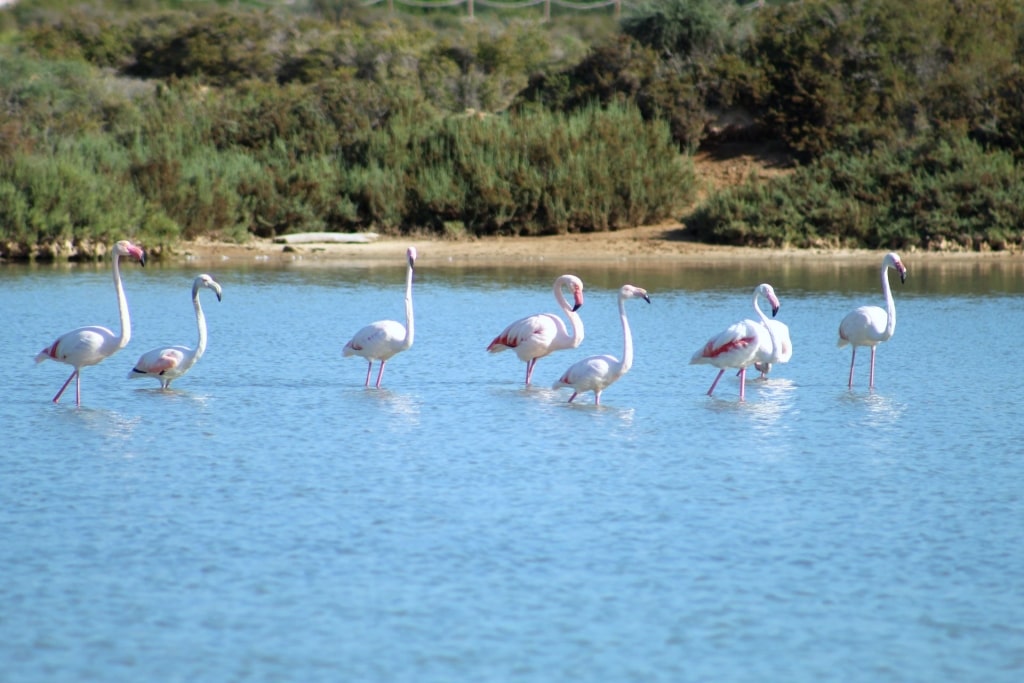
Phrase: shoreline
[651,245]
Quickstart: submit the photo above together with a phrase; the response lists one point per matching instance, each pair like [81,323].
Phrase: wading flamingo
[738,344]
[783,346]
[167,363]
[538,335]
[90,345]
[597,373]
[870,325]
[383,339]
[780,350]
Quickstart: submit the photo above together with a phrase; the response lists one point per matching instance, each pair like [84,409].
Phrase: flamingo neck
[890,304]
[409,330]
[200,323]
[575,321]
[122,306]
[627,340]
[776,351]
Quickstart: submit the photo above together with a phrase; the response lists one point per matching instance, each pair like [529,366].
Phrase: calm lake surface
[270,519]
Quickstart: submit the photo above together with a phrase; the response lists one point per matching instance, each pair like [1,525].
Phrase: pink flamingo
[167,363]
[91,345]
[383,339]
[870,325]
[538,335]
[737,346]
[597,373]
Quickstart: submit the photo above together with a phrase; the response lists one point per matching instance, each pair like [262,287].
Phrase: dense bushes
[184,161]
[173,120]
[850,74]
[934,194]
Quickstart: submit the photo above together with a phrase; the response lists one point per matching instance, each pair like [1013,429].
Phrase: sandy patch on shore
[650,244]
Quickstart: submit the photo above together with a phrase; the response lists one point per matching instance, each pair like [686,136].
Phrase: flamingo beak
[903,273]
[647,298]
[578,297]
[142,258]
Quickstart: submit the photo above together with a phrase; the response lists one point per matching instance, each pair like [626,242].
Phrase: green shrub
[936,194]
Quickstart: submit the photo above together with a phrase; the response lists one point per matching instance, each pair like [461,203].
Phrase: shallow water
[271,519]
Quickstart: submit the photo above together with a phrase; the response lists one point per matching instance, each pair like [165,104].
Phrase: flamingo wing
[864,326]
[381,340]
[590,374]
[159,362]
[735,346]
[530,337]
[81,347]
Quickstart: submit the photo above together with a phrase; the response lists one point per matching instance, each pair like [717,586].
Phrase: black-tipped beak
[142,259]
[647,298]
[775,311]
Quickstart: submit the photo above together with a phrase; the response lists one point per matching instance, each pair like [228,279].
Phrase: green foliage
[168,119]
[625,71]
[530,173]
[689,28]
[936,194]
[853,74]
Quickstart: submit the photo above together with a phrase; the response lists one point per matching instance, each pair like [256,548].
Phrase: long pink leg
[380,373]
[715,383]
[65,386]
[743,383]
[78,389]
[369,368]
[597,398]
[529,370]
[572,397]
[871,374]
[853,359]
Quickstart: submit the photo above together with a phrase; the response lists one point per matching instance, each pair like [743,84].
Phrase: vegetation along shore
[678,127]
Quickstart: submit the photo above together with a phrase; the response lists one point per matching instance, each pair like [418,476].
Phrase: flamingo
[383,339]
[870,325]
[91,345]
[167,363]
[538,335]
[597,373]
[737,346]
[781,349]
[774,348]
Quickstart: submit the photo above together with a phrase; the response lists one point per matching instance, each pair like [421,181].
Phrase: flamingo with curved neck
[91,345]
[383,339]
[167,363]
[536,336]
[597,373]
[776,346]
[737,345]
[870,325]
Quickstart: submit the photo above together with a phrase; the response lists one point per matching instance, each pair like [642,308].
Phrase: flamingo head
[410,254]
[892,260]
[631,292]
[205,280]
[768,292]
[577,292]
[126,248]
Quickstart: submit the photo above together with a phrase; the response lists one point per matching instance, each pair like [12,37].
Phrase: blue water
[269,519]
